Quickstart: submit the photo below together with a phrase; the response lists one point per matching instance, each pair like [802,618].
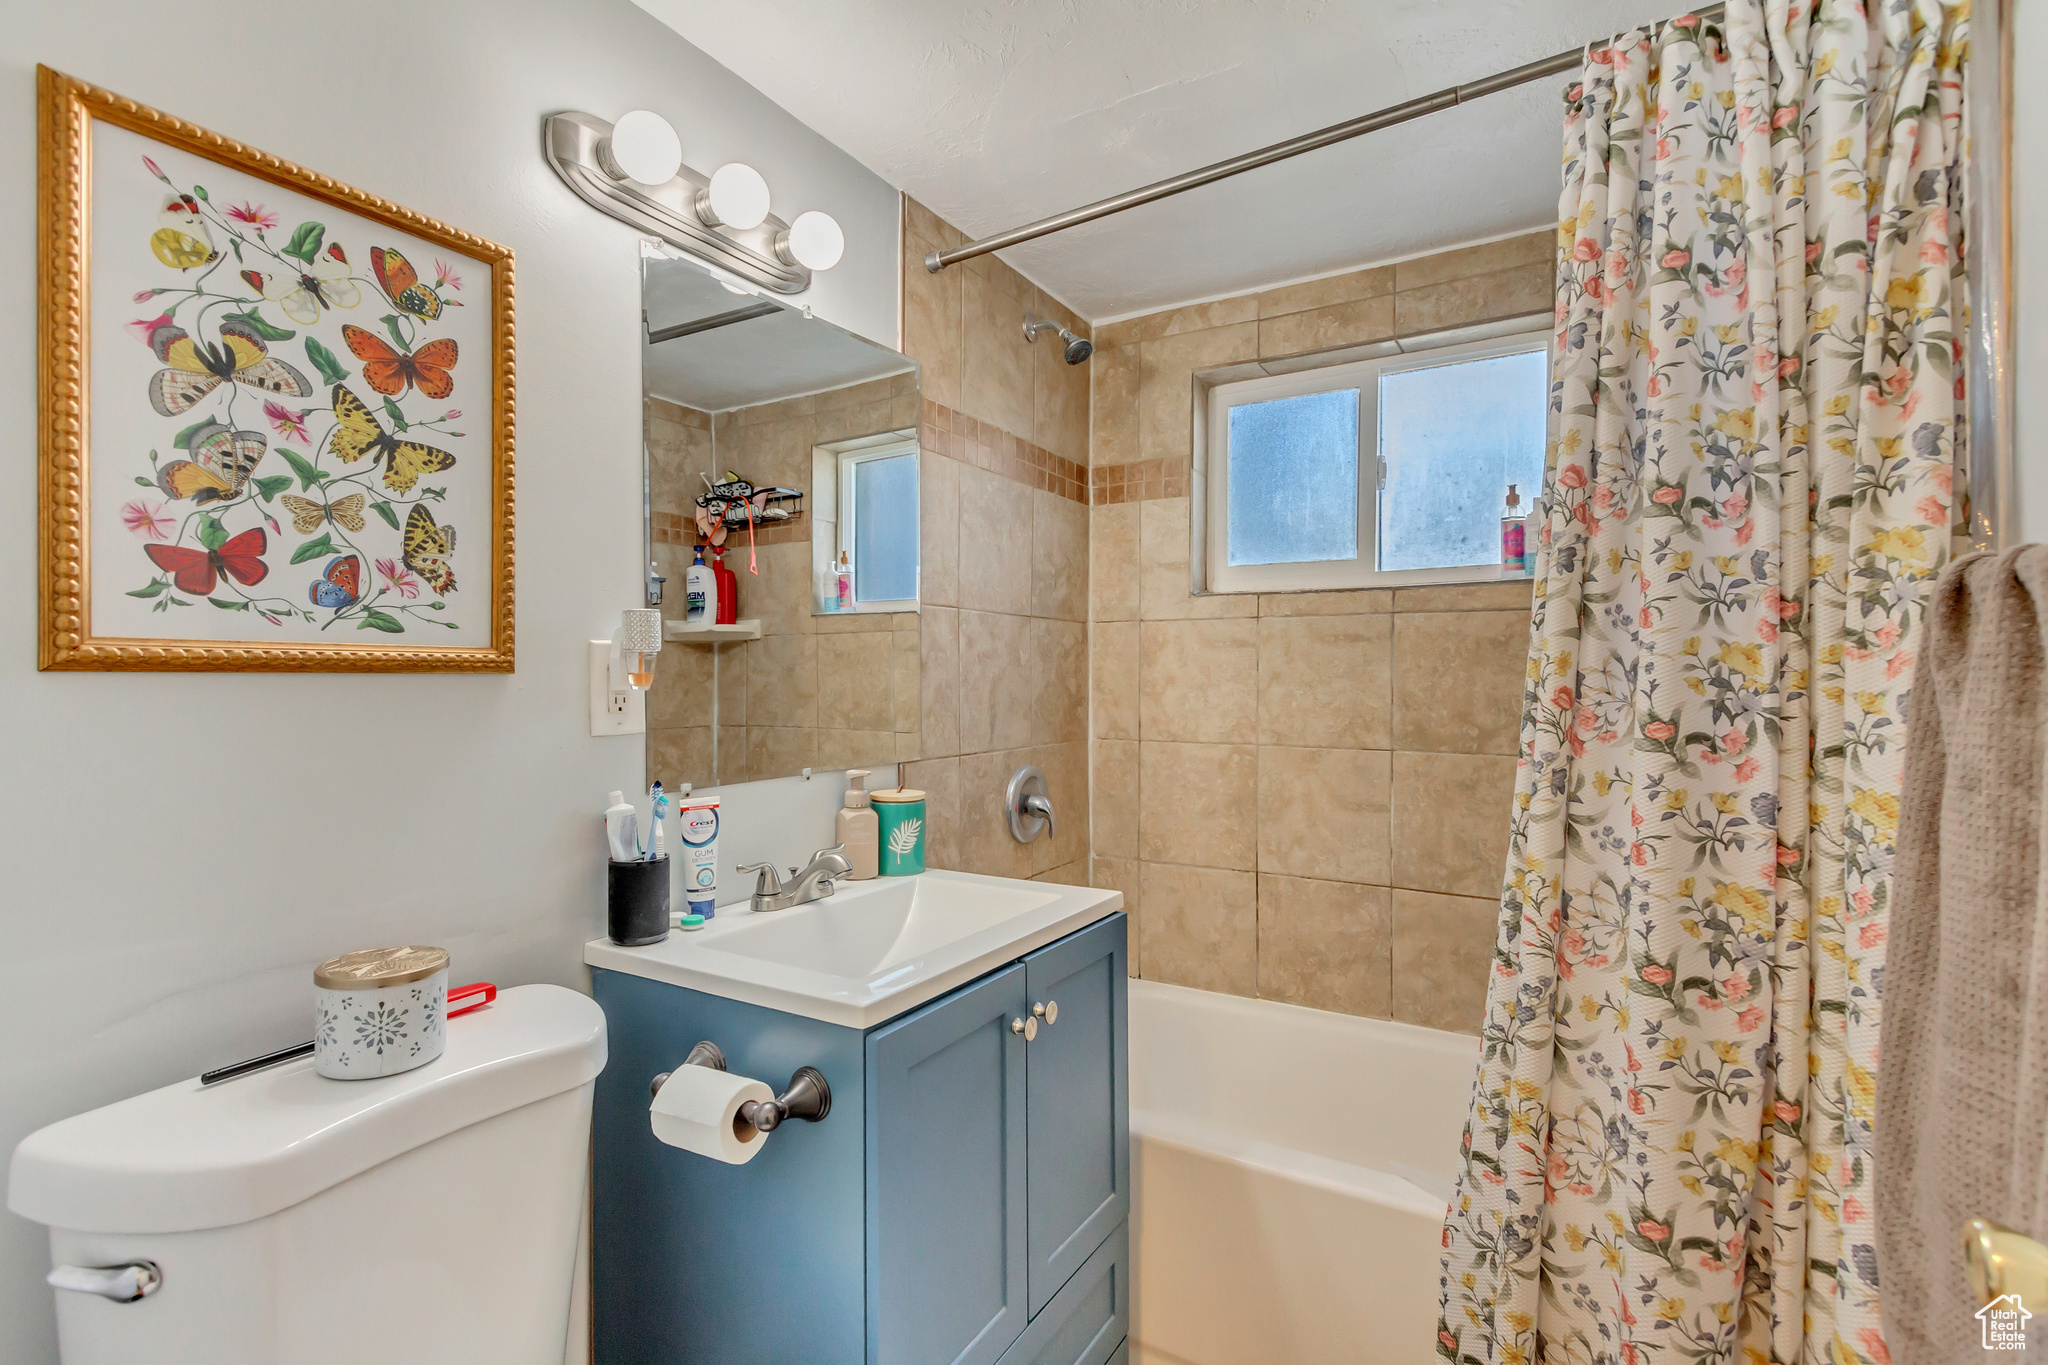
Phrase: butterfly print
[358,433]
[428,549]
[339,585]
[323,284]
[401,284]
[193,368]
[220,468]
[389,370]
[182,239]
[196,571]
[347,513]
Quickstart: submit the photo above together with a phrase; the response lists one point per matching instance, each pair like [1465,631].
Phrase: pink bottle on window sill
[1514,539]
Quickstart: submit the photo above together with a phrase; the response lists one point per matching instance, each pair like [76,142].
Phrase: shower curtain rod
[1279,151]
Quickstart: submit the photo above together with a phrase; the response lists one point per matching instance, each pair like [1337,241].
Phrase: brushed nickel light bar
[1280,151]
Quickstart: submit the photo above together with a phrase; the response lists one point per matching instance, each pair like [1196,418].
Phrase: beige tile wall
[1302,797]
[1005,560]
[813,691]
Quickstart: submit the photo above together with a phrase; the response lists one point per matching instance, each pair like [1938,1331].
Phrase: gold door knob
[2001,1261]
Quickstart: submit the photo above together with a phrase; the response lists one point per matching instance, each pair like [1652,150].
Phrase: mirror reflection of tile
[815,691]
[748,384]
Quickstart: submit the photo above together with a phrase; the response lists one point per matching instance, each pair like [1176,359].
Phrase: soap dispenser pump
[701,592]
[859,829]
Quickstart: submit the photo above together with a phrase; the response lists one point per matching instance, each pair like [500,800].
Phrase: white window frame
[849,460]
[1364,375]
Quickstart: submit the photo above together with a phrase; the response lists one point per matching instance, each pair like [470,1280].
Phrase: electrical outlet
[612,713]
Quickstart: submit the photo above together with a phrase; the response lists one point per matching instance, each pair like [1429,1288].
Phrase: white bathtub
[1290,1171]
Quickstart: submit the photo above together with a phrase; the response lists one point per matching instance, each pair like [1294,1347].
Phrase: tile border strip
[952,433]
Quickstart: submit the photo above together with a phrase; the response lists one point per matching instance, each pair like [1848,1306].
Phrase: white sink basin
[869,952]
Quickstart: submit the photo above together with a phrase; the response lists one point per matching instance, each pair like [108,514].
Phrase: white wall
[177,851]
[2030,268]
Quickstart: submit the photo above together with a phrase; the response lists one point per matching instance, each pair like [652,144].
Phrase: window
[865,516]
[879,530]
[1383,471]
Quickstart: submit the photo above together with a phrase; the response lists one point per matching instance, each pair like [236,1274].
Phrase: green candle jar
[900,814]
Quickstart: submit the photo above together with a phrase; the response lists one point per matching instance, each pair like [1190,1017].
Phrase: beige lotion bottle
[858,828]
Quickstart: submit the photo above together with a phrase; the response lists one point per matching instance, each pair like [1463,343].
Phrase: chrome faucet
[813,883]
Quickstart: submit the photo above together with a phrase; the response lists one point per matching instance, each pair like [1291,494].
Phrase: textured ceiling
[996,112]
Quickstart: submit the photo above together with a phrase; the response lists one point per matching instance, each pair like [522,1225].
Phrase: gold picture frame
[68,110]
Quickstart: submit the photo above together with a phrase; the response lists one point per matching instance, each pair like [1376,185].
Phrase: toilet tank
[430,1216]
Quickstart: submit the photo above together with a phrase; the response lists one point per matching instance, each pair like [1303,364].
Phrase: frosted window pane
[885,529]
[1294,479]
[1454,437]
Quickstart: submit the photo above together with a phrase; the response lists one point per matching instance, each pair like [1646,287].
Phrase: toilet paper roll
[698,1110]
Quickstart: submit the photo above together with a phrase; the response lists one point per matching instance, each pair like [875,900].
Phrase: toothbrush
[659,812]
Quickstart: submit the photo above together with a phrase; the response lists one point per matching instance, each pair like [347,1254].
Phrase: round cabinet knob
[1049,1011]
[1027,1027]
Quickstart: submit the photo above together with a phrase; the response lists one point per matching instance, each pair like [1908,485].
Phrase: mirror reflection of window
[879,531]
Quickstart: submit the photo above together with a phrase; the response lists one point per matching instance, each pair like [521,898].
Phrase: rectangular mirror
[801,439]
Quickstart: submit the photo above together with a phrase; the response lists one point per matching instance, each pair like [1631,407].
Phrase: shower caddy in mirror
[734,503]
[729,504]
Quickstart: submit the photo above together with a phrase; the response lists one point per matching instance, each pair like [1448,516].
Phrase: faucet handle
[1042,808]
[839,865]
[767,883]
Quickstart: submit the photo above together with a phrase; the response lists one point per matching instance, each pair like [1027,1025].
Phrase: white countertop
[871,951]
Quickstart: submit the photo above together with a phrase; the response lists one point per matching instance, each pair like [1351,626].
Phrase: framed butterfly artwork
[277,411]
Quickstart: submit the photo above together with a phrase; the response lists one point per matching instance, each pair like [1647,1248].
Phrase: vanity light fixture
[643,146]
[813,240]
[736,197]
[634,171]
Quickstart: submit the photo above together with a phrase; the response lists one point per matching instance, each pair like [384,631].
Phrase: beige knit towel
[1962,1096]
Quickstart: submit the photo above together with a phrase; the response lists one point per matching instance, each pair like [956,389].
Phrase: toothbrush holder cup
[637,902]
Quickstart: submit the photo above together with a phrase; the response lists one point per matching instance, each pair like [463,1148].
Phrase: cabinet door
[1080,1146]
[1086,1322]
[945,1131]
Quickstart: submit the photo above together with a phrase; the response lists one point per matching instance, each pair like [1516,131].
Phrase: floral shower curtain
[1756,420]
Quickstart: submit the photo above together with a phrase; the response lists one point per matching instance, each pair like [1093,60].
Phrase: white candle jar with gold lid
[379,1012]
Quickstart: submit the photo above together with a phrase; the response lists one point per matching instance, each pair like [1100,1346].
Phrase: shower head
[1076,349]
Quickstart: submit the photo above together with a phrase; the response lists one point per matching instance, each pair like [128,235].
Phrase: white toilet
[291,1220]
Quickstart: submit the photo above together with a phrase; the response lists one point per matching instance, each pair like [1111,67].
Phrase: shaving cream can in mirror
[900,817]
[379,1012]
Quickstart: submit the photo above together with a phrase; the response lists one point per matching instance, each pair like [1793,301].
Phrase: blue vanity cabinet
[945,1179]
[1078,1167]
[965,1202]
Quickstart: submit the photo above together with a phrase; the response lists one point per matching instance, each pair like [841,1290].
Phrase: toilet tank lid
[184,1158]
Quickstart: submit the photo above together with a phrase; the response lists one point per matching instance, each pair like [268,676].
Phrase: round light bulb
[645,147]
[814,241]
[738,196]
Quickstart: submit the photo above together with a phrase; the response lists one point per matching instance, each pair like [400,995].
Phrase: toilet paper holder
[806,1097]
